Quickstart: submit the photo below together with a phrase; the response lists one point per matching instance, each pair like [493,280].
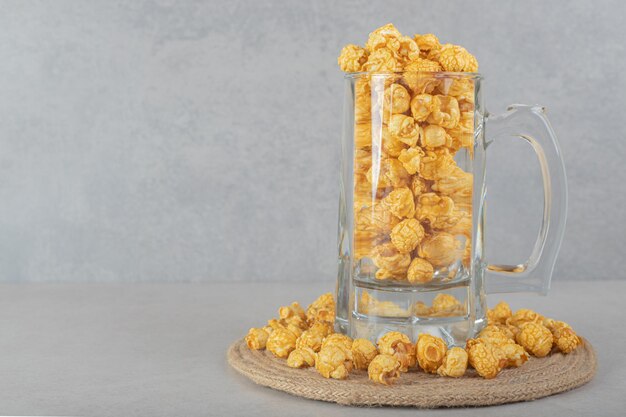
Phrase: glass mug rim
[433,74]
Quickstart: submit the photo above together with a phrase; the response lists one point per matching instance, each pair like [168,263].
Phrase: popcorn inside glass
[411,218]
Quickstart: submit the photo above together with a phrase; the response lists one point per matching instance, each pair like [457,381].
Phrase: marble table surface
[160,349]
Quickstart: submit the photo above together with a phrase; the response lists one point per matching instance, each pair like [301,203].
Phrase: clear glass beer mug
[411,215]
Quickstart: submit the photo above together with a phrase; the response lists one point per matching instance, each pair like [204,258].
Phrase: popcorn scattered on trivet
[307,339]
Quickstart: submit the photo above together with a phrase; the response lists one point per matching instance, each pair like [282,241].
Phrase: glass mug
[412,199]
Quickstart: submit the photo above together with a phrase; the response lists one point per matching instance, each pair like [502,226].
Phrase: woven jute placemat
[535,379]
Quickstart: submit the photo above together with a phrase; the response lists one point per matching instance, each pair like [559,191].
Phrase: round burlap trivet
[535,379]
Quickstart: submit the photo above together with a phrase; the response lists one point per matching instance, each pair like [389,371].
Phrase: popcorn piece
[462,228]
[456,183]
[406,235]
[524,315]
[392,263]
[499,314]
[390,173]
[420,309]
[535,338]
[486,358]
[418,186]
[384,369]
[421,106]
[333,362]
[384,37]
[434,136]
[436,164]
[410,159]
[440,249]
[420,270]
[445,112]
[378,218]
[352,58]
[397,99]
[293,310]
[430,351]
[400,346]
[337,339]
[454,363]
[363,136]
[422,65]
[285,325]
[311,340]
[281,342]
[370,305]
[456,59]
[427,42]
[400,203]
[391,146]
[436,210]
[323,328]
[256,338]
[404,128]
[382,60]
[301,358]
[322,309]
[418,78]
[363,352]
[514,353]
[446,304]
[565,339]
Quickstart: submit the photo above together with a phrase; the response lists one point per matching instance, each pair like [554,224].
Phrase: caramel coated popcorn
[440,249]
[535,338]
[406,235]
[565,338]
[456,58]
[486,358]
[352,58]
[524,315]
[310,339]
[333,362]
[281,342]
[256,338]
[384,369]
[339,340]
[301,358]
[454,363]
[499,314]
[363,352]
[400,346]
[430,352]
[420,270]
[322,309]
[400,202]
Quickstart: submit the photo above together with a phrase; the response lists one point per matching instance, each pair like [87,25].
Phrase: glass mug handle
[531,124]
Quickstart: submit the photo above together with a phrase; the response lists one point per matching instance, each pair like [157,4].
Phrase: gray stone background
[198,141]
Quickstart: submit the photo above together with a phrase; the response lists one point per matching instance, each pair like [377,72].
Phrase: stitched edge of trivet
[536,379]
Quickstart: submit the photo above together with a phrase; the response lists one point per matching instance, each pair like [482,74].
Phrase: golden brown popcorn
[514,353]
[437,211]
[434,136]
[400,203]
[384,37]
[406,235]
[384,369]
[446,304]
[281,342]
[392,263]
[495,333]
[339,340]
[437,164]
[256,338]
[391,146]
[440,249]
[408,50]
[422,65]
[363,100]
[377,218]
[382,60]
[295,321]
[421,106]
[418,186]
[486,358]
[427,42]
[524,315]
[410,159]
[404,128]
[462,228]
[390,173]
[456,183]
[420,309]
[362,164]
[566,339]
[285,325]
[364,242]
[400,346]
[363,351]
[363,135]
[430,351]
[370,305]
[420,270]
[352,58]
[293,310]
[310,339]
[456,59]
[301,358]
[418,77]
[454,363]
[445,112]
[322,309]
[499,314]
[535,338]
[397,99]
[333,362]
[323,328]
